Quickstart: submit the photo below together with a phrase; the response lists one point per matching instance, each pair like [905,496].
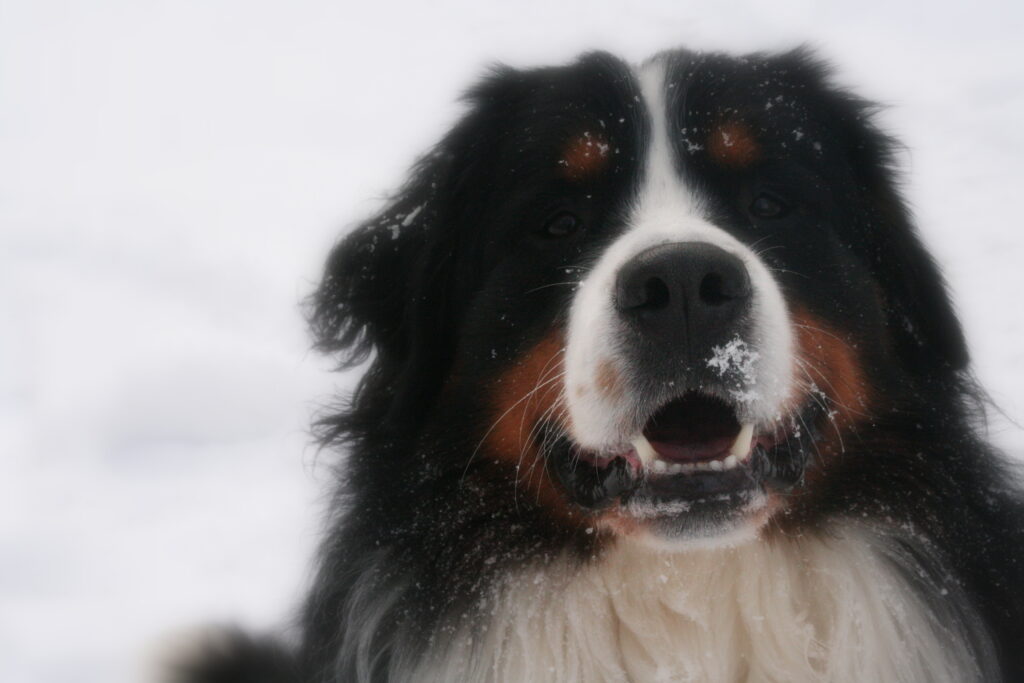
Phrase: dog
[660,385]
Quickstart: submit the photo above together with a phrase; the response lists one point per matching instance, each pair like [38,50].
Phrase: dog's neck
[853,605]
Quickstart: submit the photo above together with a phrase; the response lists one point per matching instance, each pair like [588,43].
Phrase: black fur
[234,657]
[450,284]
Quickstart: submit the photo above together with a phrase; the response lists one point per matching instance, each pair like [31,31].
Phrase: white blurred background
[172,174]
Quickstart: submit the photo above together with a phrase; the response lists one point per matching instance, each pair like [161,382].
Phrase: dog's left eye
[768,206]
[562,225]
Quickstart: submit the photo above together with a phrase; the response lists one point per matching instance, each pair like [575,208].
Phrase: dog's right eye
[768,206]
[561,226]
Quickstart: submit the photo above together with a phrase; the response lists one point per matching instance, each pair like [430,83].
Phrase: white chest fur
[833,608]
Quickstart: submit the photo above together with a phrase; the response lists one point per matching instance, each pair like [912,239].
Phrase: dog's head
[657,299]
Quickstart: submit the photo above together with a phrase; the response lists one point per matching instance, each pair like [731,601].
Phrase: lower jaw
[724,517]
[672,510]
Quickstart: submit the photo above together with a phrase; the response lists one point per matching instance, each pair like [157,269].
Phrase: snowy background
[171,176]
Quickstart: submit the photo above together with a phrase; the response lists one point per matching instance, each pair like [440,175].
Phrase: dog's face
[655,301]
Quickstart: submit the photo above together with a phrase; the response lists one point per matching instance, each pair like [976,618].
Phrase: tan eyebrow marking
[585,155]
[733,144]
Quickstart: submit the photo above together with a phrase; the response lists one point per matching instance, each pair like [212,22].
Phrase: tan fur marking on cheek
[733,144]
[585,156]
[525,395]
[834,367]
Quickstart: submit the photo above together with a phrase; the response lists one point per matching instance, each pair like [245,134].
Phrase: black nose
[691,293]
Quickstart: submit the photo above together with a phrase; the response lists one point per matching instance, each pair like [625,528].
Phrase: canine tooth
[741,446]
[644,450]
[675,468]
[716,465]
[730,462]
[660,466]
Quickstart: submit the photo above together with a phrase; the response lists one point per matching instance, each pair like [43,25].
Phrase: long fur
[896,548]
[842,606]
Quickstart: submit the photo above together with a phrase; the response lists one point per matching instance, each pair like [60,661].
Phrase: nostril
[656,294]
[667,283]
[713,290]
[642,291]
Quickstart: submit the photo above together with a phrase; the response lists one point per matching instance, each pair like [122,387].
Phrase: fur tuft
[227,655]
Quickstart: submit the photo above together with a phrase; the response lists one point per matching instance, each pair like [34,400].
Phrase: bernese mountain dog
[659,384]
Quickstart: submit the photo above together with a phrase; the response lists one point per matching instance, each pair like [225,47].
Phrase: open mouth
[695,433]
[693,450]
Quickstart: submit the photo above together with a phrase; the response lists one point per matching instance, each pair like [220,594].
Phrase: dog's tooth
[716,465]
[675,468]
[689,467]
[700,466]
[660,466]
[744,440]
[730,462]
[644,450]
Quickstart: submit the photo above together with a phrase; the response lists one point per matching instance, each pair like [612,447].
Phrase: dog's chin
[673,533]
[696,476]
[676,521]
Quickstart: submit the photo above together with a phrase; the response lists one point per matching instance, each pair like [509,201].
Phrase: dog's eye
[562,225]
[768,206]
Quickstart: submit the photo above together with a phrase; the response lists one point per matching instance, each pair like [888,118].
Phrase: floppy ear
[919,312]
[361,303]
[920,319]
[386,286]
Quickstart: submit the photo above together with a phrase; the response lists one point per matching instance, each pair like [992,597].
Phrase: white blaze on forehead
[664,200]
[665,210]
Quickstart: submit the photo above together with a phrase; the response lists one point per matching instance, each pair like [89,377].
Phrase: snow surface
[171,176]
